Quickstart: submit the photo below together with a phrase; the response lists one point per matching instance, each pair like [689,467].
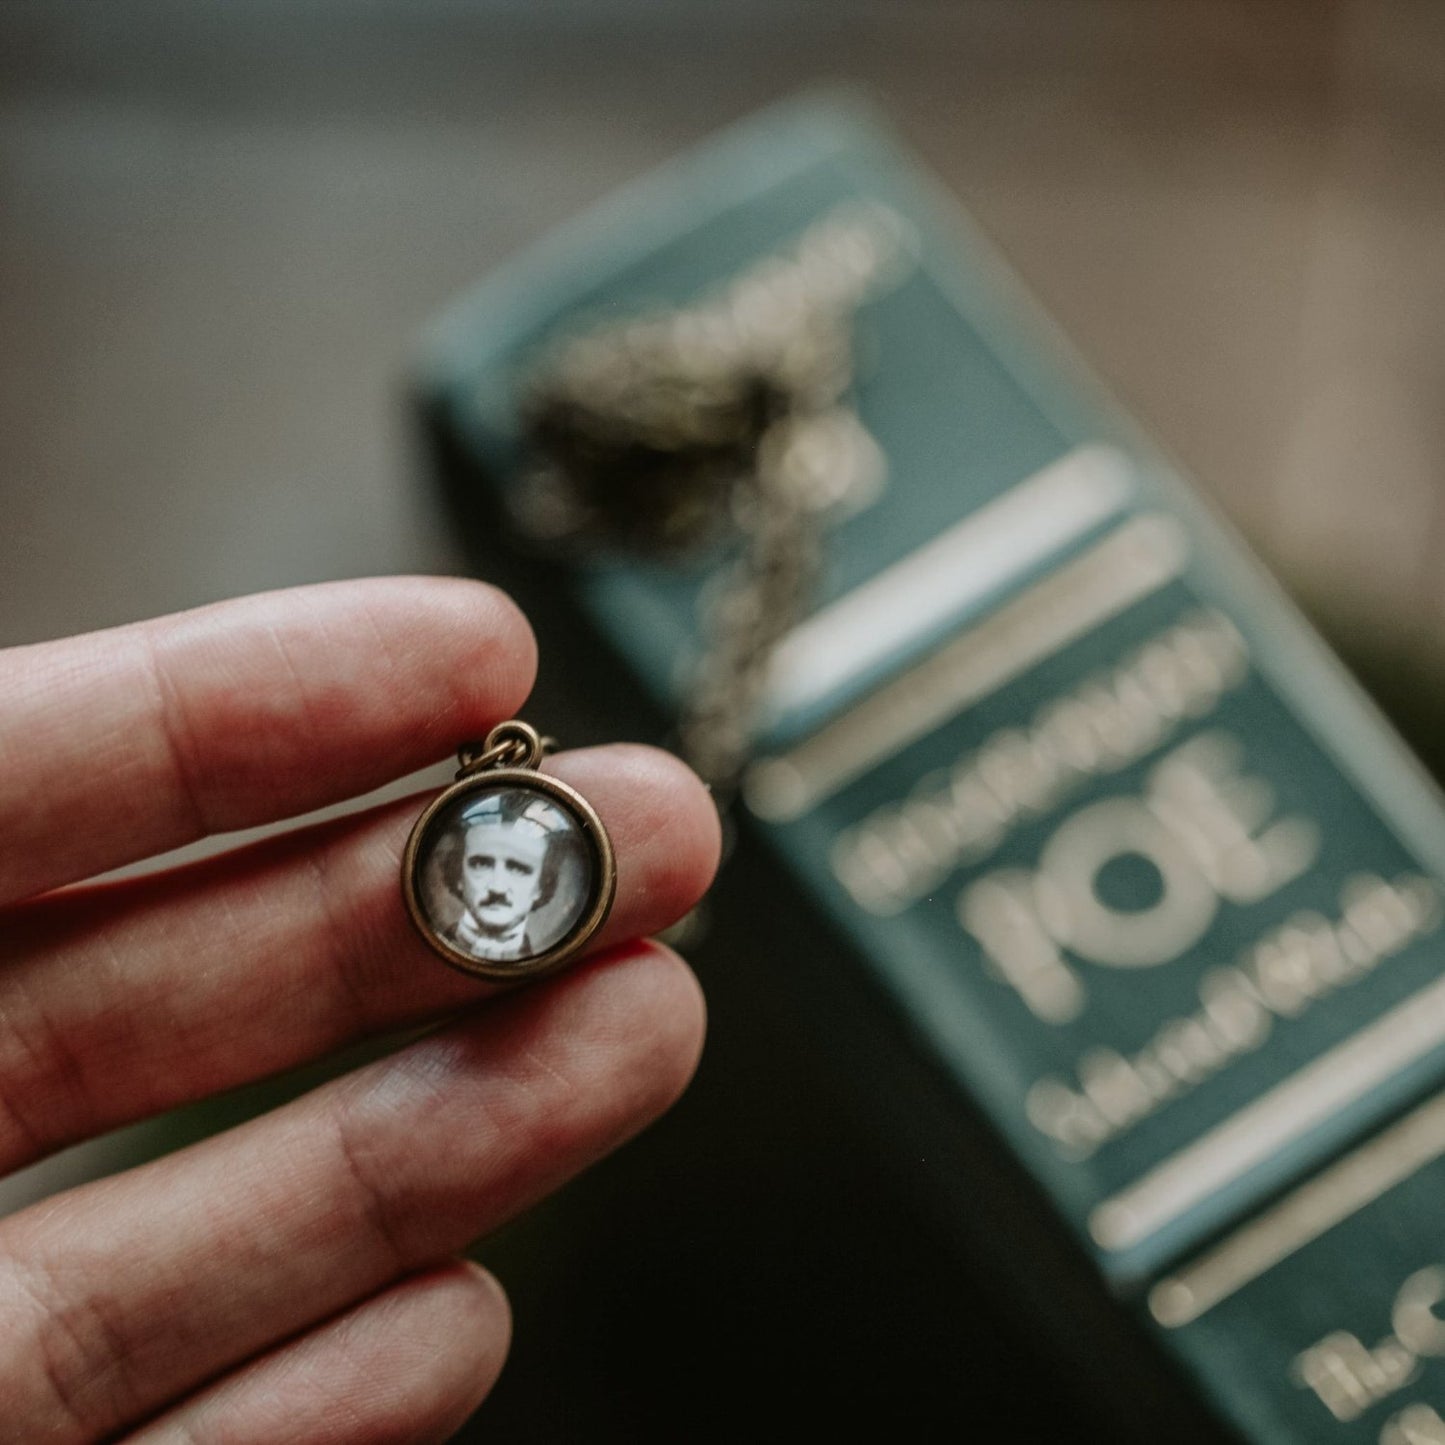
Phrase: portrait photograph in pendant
[504,874]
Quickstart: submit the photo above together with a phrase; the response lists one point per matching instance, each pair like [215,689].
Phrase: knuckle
[72,1374]
[372,1196]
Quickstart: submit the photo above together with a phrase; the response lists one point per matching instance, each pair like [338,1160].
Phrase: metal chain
[765,595]
[670,431]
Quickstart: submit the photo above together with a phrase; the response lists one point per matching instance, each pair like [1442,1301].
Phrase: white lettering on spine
[1349,1376]
[1414,1425]
[1202,825]
[1278,977]
[953,818]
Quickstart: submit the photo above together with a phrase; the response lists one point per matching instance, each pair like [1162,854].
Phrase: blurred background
[221,227]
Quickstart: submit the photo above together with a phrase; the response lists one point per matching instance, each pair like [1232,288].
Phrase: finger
[124,1294]
[119,745]
[119,1002]
[409,1365]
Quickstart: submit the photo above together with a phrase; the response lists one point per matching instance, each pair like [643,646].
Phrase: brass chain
[670,431]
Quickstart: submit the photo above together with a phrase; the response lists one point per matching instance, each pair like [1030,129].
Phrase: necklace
[672,430]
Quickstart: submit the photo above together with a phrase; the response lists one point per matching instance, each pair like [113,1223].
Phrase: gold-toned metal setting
[507,762]
[514,744]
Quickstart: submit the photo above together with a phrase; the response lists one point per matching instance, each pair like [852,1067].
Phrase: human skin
[296,1277]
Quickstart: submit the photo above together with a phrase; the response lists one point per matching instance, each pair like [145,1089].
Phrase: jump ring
[514,744]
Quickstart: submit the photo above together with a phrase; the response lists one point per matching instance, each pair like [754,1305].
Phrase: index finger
[121,744]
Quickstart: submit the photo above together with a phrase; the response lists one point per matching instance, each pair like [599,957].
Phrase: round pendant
[509,872]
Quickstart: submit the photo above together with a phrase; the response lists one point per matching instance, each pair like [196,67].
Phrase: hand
[293,1279]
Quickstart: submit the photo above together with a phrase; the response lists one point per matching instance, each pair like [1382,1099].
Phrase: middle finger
[120,1001]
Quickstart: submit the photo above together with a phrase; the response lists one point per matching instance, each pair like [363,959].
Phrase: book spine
[1142,890]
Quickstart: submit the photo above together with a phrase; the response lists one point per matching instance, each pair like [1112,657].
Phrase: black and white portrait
[506,875]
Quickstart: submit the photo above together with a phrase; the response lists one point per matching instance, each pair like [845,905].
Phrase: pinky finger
[405,1367]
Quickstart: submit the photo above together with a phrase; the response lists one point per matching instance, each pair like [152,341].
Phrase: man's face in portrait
[502,874]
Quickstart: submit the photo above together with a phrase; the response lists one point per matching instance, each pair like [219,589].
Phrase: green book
[1087,816]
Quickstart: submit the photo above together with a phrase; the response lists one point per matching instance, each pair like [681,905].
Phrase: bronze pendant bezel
[601,894]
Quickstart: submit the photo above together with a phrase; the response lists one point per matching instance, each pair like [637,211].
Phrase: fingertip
[685,1005]
[664,824]
[488,643]
[411,1362]
[659,1016]
[459,1316]
[516,638]
[491,1318]
[480,1288]
[692,827]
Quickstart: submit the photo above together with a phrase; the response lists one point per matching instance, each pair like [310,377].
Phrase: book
[1115,862]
